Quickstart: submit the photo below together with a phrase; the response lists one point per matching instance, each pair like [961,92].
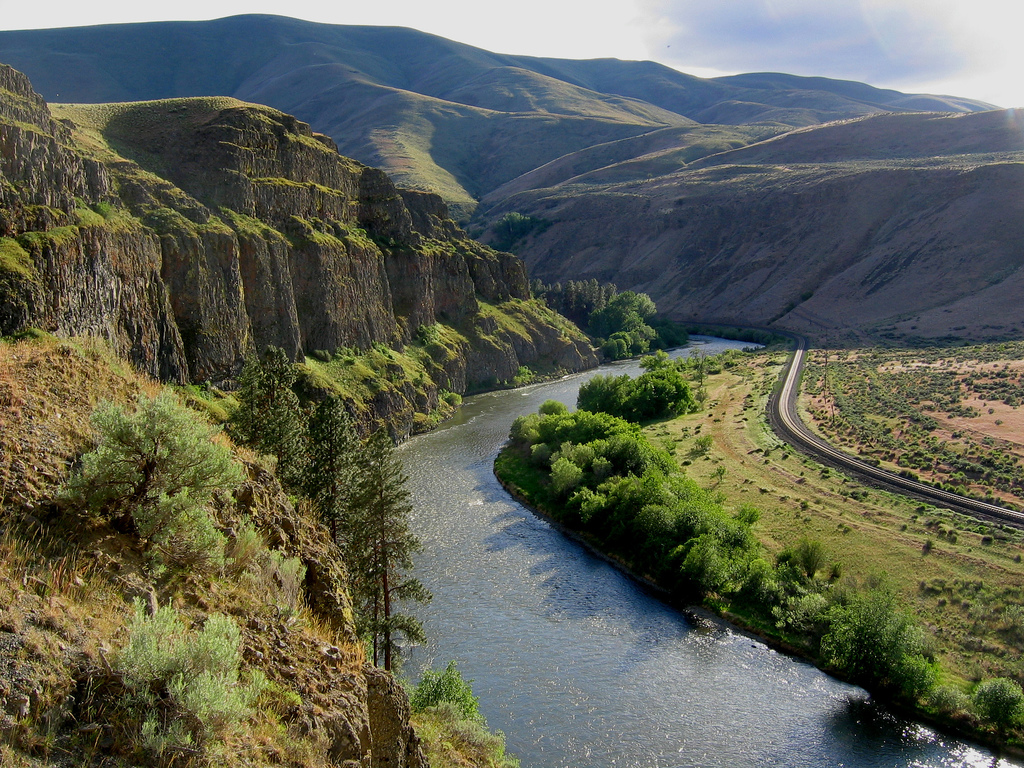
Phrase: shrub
[183,685]
[549,407]
[429,334]
[565,476]
[1013,616]
[1000,702]
[452,741]
[541,454]
[877,644]
[447,687]
[154,472]
[949,699]
[707,564]
[808,555]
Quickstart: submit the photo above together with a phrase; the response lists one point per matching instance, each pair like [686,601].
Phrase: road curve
[784,419]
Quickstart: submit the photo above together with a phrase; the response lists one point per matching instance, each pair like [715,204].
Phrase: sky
[968,48]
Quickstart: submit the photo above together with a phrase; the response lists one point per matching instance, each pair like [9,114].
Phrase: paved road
[782,414]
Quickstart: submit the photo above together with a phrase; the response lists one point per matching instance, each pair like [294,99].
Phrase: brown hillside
[898,226]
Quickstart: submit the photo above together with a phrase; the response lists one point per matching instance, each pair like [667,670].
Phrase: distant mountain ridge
[435,114]
[825,206]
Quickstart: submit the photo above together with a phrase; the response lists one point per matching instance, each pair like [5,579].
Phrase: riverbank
[584,650]
[710,614]
[866,533]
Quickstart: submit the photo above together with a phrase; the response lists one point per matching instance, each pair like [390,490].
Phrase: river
[581,667]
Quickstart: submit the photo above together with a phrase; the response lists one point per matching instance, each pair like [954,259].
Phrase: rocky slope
[189,233]
[905,228]
[68,579]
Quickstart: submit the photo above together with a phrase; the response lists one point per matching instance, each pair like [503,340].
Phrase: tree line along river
[581,667]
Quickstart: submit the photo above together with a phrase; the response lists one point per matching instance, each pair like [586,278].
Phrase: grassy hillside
[87,611]
[894,227]
[435,114]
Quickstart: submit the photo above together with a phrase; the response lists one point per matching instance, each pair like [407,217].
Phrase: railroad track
[783,417]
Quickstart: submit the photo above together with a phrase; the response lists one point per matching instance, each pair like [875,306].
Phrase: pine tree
[379,547]
[269,417]
[330,472]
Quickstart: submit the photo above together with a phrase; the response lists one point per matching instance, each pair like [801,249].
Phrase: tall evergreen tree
[379,547]
[330,474]
[269,417]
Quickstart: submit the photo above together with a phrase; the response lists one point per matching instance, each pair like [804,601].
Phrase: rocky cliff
[190,232]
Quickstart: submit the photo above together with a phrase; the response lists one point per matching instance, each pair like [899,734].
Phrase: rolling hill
[906,228]
[433,113]
[827,206]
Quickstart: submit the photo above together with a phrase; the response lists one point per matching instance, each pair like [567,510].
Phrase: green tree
[154,471]
[269,417]
[1000,702]
[329,477]
[379,546]
[707,564]
[873,641]
[659,392]
[628,311]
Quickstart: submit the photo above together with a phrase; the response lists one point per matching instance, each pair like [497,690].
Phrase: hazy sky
[968,48]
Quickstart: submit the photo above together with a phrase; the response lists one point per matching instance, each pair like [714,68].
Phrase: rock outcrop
[191,232]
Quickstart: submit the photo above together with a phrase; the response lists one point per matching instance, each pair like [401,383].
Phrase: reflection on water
[580,666]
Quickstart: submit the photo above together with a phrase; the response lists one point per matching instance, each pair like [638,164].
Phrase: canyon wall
[190,233]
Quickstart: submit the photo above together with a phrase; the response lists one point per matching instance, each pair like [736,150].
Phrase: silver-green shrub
[155,470]
[184,685]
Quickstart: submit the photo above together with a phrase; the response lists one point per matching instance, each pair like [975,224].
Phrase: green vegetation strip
[601,477]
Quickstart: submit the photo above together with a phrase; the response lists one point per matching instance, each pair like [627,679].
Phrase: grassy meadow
[957,575]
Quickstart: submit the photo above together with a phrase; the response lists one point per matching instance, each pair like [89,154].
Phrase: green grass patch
[15,260]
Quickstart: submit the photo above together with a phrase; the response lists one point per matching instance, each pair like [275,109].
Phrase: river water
[581,667]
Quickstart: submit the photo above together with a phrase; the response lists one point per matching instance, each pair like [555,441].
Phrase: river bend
[581,668]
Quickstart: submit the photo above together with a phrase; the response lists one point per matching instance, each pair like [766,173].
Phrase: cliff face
[56,265]
[191,232]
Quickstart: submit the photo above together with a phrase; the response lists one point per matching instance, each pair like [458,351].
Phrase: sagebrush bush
[243,550]
[155,472]
[183,686]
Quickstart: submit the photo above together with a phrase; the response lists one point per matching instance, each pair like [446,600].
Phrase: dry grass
[866,531]
[977,425]
[67,582]
[48,389]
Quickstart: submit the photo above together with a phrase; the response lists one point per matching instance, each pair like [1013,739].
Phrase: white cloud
[934,45]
